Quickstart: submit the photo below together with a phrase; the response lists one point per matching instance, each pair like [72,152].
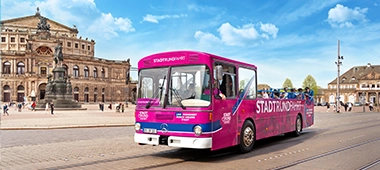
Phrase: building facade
[358,84]
[27,59]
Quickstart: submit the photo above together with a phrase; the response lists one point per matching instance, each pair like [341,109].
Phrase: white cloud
[108,26]
[270,29]
[155,18]
[237,36]
[341,16]
[206,39]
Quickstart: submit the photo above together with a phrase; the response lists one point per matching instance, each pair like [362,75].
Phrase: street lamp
[338,63]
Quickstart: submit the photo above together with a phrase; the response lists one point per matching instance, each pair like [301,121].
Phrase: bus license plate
[149,130]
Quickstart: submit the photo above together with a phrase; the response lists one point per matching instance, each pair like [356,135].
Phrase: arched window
[103,90]
[6,87]
[95,90]
[76,71]
[76,89]
[66,69]
[95,72]
[20,68]
[20,88]
[85,71]
[6,67]
[86,89]
[103,73]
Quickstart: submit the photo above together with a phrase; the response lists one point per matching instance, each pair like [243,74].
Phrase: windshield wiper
[155,95]
[178,98]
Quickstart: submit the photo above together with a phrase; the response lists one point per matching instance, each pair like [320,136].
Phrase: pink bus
[197,100]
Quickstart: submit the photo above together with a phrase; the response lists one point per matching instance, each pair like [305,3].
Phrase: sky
[284,39]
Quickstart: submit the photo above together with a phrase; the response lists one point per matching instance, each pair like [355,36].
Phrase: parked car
[357,104]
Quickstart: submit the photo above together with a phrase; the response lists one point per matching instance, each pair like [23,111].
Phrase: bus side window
[247,81]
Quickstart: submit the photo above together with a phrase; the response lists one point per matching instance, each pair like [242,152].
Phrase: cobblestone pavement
[92,117]
[331,133]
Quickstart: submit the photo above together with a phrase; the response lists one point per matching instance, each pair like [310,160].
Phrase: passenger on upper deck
[300,95]
[309,93]
[285,96]
[292,94]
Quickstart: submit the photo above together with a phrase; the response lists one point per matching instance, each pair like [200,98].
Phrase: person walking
[122,108]
[47,107]
[349,106]
[52,108]
[5,109]
[328,107]
[34,106]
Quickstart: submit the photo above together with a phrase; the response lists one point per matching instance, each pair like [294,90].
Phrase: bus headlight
[198,130]
[137,126]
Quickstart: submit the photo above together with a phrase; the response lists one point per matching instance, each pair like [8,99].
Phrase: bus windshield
[152,84]
[188,86]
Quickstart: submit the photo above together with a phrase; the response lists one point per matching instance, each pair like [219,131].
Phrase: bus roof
[184,57]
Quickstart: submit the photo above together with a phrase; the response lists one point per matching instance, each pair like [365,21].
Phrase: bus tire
[298,127]
[247,137]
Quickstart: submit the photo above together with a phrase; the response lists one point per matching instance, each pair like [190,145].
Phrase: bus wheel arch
[247,136]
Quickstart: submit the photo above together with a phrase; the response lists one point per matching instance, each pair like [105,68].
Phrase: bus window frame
[227,64]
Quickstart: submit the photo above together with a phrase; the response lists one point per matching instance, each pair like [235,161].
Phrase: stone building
[27,49]
[358,84]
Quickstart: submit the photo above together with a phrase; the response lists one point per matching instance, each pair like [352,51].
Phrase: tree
[287,83]
[242,84]
[311,83]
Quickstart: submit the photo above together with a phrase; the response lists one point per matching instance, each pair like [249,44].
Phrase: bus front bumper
[174,141]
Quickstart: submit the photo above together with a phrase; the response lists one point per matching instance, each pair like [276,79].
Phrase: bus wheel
[298,130]
[247,137]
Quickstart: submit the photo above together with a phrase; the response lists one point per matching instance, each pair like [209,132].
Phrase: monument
[58,88]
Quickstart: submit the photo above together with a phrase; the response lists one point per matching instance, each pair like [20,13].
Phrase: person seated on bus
[226,86]
[216,91]
[300,94]
[292,94]
[264,94]
[309,94]
[190,93]
[286,93]
[275,94]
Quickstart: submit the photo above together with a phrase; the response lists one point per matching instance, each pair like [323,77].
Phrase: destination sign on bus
[269,106]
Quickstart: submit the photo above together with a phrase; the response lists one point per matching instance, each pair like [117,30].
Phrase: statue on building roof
[58,56]
[43,25]
[38,11]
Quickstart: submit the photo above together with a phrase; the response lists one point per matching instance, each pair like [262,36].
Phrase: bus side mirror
[219,72]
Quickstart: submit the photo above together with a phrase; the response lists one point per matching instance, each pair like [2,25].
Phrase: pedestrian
[110,106]
[122,108]
[5,109]
[47,107]
[102,106]
[370,106]
[328,107]
[34,106]
[19,106]
[349,106]
[52,108]
[345,106]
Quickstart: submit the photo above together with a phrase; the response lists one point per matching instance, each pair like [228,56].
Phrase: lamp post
[338,63]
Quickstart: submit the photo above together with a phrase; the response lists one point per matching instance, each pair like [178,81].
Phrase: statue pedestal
[59,91]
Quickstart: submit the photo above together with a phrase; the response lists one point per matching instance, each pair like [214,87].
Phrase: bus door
[223,116]
[225,123]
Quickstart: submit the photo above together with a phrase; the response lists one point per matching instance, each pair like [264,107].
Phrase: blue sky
[284,39]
